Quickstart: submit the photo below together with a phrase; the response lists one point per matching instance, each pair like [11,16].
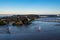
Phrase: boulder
[18,23]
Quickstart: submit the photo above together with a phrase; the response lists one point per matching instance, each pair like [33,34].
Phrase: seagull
[39,29]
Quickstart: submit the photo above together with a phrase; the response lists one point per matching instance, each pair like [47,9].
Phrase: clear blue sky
[29,6]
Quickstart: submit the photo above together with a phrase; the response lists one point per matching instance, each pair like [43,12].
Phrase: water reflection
[4,29]
[57,24]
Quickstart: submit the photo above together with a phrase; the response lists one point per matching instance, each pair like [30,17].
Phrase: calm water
[48,31]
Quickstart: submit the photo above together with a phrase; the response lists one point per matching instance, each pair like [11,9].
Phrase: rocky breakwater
[18,20]
[23,19]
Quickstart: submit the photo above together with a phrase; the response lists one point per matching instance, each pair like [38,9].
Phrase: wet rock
[3,22]
[18,23]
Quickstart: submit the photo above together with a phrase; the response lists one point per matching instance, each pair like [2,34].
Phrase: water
[48,31]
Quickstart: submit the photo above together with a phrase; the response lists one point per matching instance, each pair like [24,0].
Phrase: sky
[29,6]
